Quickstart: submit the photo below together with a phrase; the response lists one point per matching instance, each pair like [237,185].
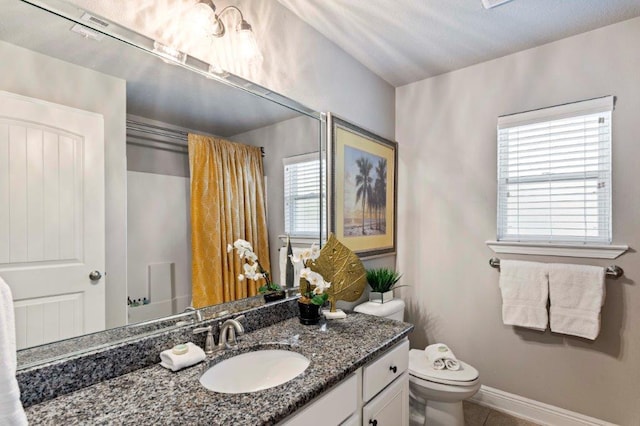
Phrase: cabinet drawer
[333,407]
[384,370]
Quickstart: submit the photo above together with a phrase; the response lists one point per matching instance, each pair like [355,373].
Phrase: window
[302,195]
[554,174]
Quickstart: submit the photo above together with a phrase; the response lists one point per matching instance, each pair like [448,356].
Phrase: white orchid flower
[314,251]
[321,286]
[307,254]
[316,281]
[251,271]
[313,278]
[251,256]
[241,244]
[305,272]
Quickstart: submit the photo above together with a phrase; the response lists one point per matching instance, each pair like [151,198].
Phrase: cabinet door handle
[394,369]
[373,422]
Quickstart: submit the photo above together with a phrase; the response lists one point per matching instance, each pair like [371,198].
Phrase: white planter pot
[377,297]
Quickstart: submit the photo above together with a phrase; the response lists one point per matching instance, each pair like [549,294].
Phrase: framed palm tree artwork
[362,178]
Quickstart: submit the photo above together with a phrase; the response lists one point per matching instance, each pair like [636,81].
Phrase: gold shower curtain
[227,203]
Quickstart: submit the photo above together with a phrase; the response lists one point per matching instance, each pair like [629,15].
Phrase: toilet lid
[420,367]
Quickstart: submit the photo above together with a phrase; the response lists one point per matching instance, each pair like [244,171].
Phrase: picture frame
[363,177]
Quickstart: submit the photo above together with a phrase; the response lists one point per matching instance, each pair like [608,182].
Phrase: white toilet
[435,394]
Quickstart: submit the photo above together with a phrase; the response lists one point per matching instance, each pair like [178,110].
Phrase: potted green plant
[252,269]
[382,282]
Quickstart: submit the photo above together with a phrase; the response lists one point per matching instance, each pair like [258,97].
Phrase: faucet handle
[209,343]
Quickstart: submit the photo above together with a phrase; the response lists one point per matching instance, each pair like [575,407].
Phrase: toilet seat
[421,368]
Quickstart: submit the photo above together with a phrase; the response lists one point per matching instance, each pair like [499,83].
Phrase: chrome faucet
[228,332]
[209,344]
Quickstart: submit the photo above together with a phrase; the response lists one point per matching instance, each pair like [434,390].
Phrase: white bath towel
[11,411]
[441,357]
[175,362]
[577,294]
[525,291]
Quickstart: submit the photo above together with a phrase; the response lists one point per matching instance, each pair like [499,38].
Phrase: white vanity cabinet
[374,395]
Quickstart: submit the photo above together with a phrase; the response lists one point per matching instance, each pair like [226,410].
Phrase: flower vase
[309,313]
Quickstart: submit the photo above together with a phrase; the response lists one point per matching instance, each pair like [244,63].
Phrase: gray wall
[446,128]
[301,63]
[39,76]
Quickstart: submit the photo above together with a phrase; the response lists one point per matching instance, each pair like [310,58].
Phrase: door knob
[95,275]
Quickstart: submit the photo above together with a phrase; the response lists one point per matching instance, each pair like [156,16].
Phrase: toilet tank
[394,309]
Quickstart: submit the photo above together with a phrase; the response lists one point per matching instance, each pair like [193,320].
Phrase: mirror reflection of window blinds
[302,194]
[554,173]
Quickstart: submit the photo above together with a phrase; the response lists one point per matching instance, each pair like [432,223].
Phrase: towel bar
[613,271]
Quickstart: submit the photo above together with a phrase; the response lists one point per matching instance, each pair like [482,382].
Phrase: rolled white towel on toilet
[441,357]
[175,362]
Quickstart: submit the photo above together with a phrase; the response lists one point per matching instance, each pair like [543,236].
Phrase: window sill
[595,251]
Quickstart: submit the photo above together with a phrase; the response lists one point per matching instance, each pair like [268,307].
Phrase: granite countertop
[155,395]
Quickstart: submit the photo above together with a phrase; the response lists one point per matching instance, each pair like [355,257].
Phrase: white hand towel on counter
[577,294]
[441,357]
[11,411]
[525,291]
[175,362]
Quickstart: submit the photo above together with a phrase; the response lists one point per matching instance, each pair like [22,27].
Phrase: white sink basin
[254,371]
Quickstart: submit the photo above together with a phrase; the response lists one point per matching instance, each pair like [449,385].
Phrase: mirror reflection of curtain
[227,202]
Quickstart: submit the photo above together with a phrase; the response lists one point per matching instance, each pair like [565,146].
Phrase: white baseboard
[531,410]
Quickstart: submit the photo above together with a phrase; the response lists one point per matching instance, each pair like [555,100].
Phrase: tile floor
[477,415]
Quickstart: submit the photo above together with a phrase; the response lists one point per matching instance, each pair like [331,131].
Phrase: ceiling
[404,41]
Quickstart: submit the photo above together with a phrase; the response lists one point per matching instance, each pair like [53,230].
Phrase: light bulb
[205,21]
[247,45]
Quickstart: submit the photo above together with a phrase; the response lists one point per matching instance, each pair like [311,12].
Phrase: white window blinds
[554,174]
[302,195]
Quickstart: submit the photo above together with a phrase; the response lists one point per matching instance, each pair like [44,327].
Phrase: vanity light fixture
[245,46]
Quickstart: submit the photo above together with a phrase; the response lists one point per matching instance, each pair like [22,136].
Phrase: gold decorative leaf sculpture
[343,269]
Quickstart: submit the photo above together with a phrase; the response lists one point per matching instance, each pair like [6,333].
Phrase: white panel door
[52,226]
